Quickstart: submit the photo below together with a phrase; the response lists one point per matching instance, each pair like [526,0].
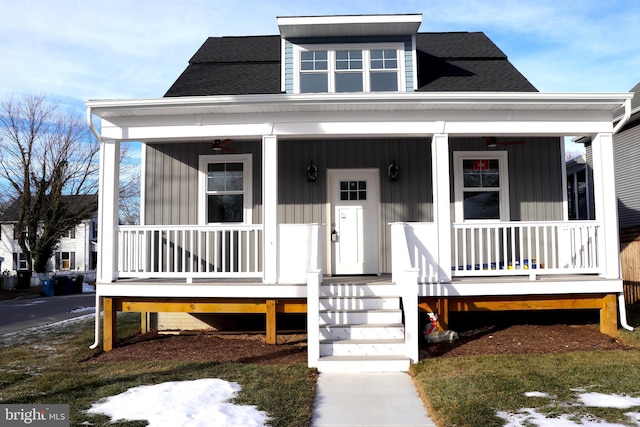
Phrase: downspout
[96,333]
[623,310]
[625,117]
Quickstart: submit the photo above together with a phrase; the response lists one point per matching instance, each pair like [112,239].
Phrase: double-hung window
[225,189]
[349,68]
[481,186]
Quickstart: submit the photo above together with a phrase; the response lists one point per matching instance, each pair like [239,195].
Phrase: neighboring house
[627,163]
[578,194]
[77,249]
[361,172]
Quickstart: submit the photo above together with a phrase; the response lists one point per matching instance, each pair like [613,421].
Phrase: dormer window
[349,68]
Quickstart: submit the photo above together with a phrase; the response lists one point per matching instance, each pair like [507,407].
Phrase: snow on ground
[529,416]
[203,402]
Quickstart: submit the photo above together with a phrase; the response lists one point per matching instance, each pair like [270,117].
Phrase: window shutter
[58,260]
[72,260]
[72,233]
[16,266]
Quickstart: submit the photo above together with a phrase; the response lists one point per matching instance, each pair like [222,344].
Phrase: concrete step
[359,303]
[357,289]
[362,331]
[377,347]
[363,364]
[376,317]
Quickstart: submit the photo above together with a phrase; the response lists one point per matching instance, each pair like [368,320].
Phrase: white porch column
[606,202]
[108,210]
[442,203]
[270,207]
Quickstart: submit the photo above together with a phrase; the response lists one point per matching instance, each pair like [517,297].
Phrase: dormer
[354,53]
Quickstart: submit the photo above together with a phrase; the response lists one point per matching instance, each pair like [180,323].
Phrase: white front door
[354,221]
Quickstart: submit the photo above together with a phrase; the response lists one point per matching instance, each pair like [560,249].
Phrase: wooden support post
[609,316]
[110,324]
[443,312]
[271,321]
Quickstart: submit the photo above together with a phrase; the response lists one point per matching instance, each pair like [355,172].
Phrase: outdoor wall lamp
[312,172]
[393,171]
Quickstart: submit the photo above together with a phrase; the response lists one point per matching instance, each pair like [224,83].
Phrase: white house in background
[76,251]
[357,170]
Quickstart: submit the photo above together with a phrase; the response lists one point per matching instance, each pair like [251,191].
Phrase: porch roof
[362,102]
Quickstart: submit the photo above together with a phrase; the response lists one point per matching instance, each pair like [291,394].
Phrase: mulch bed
[210,347]
[492,338]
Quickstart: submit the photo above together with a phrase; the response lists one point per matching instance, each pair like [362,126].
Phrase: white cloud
[73,50]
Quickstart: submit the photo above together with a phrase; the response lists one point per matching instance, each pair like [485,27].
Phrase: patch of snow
[87,288]
[83,309]
[530,416]
[600,400]
[538,394]
[203,402]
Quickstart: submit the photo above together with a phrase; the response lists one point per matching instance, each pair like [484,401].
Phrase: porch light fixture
[393,171]
[312,172]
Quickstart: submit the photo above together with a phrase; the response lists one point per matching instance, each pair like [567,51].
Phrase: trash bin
[47,287]
[24,279]
[61,285]
[76,283]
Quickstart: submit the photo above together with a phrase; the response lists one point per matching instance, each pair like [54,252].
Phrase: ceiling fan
[493,142]
[221,145]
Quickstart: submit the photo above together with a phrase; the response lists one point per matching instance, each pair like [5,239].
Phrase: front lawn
[471,391]
[53,365]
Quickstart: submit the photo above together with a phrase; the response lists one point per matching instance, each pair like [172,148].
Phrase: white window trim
[366,70]
[203,161]
[502,157]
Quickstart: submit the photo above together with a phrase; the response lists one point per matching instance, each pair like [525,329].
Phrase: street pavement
[23,313]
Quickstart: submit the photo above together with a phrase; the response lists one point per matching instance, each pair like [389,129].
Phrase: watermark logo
[34,415]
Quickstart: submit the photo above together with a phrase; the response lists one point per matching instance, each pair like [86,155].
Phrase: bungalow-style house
[361,172]
[77,248]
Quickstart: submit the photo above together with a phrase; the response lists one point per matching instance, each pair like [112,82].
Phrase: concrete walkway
[378,399]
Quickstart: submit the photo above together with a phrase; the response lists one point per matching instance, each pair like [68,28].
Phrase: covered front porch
[519,256]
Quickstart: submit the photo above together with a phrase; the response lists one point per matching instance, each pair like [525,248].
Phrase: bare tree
[129,198]
[46,156]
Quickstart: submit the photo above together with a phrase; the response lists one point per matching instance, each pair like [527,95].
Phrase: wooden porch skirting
[270,307]
[606,303]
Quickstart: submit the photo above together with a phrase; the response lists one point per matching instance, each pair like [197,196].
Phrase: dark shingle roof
[73,203]
[232,66]
[465,62]
[251,65]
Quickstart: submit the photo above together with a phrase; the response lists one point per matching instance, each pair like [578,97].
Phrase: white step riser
[357,317]
[343,332]
[362,349]
[363,366]
[358,290]
[359,303]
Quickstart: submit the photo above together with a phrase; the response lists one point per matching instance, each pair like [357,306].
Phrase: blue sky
[74,50]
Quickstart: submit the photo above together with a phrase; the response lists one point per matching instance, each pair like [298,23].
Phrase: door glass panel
[353,190]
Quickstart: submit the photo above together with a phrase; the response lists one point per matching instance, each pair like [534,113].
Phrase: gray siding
[535,176]
[627,161]
[408,199]
[171,182]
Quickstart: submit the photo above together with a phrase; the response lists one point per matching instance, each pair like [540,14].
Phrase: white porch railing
[189,251]
[525,248]
[498,249]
